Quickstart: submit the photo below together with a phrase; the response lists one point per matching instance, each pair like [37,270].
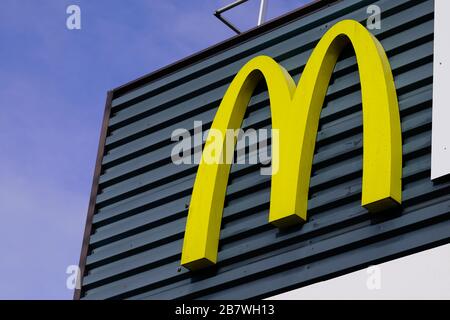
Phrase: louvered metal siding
[141,205]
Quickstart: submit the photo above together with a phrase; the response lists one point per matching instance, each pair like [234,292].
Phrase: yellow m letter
[295,113]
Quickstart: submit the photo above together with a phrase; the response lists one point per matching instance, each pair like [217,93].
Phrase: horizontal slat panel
[174,230]
[249,224]
[141,206]
[439,211]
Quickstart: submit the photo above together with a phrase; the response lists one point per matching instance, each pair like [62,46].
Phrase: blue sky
[53,83]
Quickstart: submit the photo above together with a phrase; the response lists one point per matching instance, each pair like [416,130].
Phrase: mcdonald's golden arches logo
[295,114]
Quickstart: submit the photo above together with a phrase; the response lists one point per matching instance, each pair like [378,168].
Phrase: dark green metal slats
[137,229]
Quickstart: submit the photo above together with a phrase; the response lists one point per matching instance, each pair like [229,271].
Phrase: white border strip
[440,153]
[422,275]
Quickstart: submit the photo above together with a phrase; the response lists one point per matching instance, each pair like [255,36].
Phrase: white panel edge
[440,154]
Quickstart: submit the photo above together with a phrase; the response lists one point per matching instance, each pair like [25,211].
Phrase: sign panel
[440,163]
[350,213]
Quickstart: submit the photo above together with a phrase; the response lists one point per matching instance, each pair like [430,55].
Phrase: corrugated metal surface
[141,206]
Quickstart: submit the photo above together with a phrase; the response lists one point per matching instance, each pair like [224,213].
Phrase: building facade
[140,199]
